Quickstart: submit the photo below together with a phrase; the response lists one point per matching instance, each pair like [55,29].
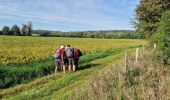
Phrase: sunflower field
[16,50]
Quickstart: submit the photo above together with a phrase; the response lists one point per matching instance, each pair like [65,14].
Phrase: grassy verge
[145,80]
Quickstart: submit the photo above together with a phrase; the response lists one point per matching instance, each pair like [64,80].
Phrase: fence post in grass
[143,49]
[137,55]
[126,60]
[154,47]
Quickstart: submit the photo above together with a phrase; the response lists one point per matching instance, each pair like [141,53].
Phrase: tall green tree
[5,30]
[15,30]
[162,37]
[148,14]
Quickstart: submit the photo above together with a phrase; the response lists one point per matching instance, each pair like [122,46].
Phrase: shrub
[162,38]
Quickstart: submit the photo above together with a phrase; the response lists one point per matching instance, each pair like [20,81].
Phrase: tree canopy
[162,37]
[148,14]
[5,30]
[15,30]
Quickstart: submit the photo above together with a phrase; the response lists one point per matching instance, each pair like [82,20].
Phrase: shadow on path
[87,66]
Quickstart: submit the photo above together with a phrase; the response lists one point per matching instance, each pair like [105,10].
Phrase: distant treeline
[25,30]
[115,34]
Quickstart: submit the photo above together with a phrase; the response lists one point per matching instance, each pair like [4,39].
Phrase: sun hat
[62,47]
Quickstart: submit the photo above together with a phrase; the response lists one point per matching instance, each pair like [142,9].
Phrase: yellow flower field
[25,49]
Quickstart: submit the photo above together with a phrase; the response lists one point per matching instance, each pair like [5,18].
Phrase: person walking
[77,55]
[66,60]
[59,59]
[70,54]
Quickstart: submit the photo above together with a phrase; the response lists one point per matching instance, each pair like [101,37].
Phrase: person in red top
[59,60]
[77,55]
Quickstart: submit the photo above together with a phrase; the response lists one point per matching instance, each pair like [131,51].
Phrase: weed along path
[63,85]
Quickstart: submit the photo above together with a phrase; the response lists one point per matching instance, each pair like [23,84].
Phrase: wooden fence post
[143,49]
[126,61]
[137,55]
[154,47]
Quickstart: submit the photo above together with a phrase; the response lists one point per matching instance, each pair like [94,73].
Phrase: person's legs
[66,63]
[69,68]
[63,67]
[56,69]
[76,63]
[56,66]
[70,62]
[73,63]
[74,68]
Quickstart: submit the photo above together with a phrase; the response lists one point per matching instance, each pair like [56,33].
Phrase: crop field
[26,68]
[25,49]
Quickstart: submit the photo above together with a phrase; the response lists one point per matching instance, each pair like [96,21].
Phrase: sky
[69,15]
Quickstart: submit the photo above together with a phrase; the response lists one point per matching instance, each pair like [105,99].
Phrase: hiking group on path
[66,57]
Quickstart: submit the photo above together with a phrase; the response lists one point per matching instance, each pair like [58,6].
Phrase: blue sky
[68,15]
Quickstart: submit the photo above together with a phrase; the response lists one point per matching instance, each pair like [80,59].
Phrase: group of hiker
[66,57]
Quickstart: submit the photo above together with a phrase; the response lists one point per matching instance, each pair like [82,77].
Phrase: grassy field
[33,75]
[62,85]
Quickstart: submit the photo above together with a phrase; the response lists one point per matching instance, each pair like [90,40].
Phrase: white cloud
[74,12]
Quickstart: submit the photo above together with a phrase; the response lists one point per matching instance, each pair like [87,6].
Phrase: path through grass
[62,85]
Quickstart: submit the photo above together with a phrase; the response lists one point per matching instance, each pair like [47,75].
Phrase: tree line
[114,34]
[25,30]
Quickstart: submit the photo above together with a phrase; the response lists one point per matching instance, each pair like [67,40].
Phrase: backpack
[57,55]
[69,52]
[77,53]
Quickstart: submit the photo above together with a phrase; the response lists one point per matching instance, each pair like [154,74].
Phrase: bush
[162,38]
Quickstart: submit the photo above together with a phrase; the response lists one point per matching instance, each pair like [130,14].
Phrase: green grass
[62,85]
[31,77]
[12,75]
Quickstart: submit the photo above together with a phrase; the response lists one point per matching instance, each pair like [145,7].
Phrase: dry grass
[146,80]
